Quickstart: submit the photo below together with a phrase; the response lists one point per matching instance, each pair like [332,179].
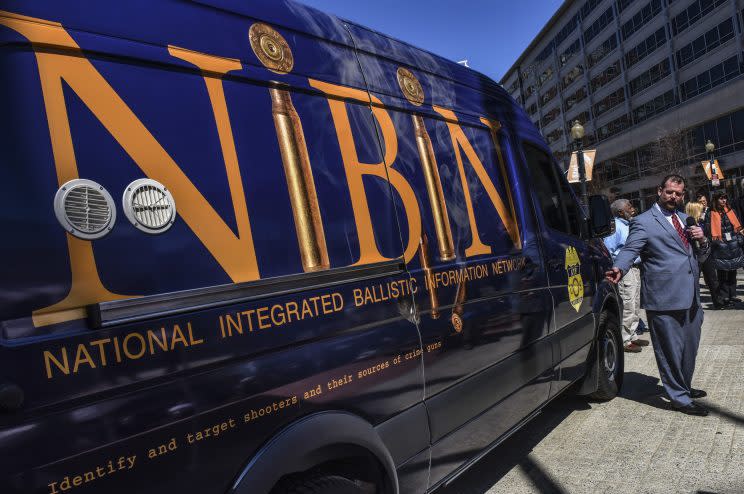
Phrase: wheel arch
[311,441]
[610,303]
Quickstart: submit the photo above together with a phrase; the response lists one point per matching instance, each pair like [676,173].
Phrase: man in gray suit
[670,291]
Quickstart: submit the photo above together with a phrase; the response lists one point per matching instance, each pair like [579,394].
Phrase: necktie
[680,231]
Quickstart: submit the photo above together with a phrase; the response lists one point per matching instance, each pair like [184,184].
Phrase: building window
[548,95]
[602,50]
[528,92]
[554,136]
[623,4]
[614,127]
[589,7]
[572,50]
[545,76]
[572,75]
[705,43]
[641,18]
[566,31]
[599,25]
[550,116]
[606,76]
[576,97]
[693,13]
[545,54]
[650,77]
[645,47]
[718,74]
[609,102]
[532,109]
[514,86]
[655,106]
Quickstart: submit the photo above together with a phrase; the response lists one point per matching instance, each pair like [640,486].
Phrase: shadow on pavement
[516,451]
[723,413]
[643,389]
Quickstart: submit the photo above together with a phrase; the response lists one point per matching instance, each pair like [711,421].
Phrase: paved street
[634,444]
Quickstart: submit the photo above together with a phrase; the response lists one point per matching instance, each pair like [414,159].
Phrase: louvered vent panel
[87,209]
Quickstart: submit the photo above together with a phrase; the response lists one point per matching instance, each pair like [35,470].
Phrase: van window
[558,206]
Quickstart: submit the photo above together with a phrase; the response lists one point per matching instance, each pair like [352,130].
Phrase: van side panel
[179,401]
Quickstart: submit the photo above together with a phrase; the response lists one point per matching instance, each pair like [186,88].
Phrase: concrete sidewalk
[634,443]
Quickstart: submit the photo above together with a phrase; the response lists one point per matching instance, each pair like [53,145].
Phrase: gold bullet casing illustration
[300,183]
[434,189]
[459,307]
[428,281]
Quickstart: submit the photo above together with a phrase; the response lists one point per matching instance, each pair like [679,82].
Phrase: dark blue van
[249,247]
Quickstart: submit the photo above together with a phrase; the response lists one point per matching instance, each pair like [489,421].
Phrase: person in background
[698,211]
[670,291]
[630,286]
[725,232]
[702,198]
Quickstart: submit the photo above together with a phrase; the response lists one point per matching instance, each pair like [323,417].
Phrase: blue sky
[490,34]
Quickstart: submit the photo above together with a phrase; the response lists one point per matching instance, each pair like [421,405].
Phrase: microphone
[691,222]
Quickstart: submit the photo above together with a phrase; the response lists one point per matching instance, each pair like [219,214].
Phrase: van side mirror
[601,221]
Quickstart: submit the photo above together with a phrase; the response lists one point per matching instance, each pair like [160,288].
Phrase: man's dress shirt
[616,241]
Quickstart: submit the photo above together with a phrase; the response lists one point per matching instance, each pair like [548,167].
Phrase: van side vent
[149,206]
[85,209]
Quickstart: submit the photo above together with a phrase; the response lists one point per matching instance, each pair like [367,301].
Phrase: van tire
[611,358]
[320,484]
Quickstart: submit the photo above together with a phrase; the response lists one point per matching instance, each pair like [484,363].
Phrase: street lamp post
[710,147]
[577,134]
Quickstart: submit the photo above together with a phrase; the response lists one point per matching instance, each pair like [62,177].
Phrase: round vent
[85,209]
[149,206]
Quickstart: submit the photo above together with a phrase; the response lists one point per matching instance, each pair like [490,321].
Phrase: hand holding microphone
[694,232]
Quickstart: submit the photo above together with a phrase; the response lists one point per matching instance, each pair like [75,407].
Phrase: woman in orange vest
[725,232]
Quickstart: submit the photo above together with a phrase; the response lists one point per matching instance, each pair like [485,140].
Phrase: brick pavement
[634,443]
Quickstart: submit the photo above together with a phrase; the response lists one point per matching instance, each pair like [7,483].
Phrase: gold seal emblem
[457,322]
[575,281]
[271,48]
[410,86]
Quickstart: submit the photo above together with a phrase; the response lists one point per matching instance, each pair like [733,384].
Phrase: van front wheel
[610,355]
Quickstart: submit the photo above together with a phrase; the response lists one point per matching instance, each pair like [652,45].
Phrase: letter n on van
[235,253]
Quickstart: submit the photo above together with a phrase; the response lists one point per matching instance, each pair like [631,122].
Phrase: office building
[650,80]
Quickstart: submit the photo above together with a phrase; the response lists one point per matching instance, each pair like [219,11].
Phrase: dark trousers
[726,284]
[711,279]
[676,337]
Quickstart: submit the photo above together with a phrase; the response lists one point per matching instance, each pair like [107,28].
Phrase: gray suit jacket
[669,271]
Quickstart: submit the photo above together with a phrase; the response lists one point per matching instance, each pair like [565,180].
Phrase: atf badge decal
[575,282]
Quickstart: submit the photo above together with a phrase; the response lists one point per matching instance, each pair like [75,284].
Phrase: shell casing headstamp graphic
[575,281]
[271,48]
[410,86]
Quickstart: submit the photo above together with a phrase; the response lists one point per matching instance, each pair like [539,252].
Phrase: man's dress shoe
[697,393]
[640,342]
[693,409]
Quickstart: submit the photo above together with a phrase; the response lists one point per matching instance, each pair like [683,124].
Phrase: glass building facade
[650,80]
